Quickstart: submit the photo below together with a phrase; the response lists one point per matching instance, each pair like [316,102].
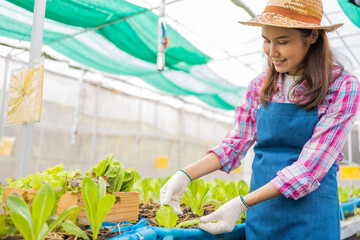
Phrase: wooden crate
[125,209]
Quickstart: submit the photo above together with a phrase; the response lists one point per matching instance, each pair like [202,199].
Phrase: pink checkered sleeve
[329,136]
[242,135]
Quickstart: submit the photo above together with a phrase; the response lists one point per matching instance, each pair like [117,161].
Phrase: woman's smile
[278,62]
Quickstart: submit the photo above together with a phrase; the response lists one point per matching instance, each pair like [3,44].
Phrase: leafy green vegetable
[343,194]
[1,194]
[226,190]
[357,192]
[97,204]
[188,223]
[197,195]
[129,180]
[55,176]
[143,187]
[155,185]
[71,228]
[112,169]
[6,225]
[32,225]
[149,188]
[166,217]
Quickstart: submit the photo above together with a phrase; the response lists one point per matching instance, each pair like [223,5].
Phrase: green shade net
[136,35]
[186,74]
[351,10]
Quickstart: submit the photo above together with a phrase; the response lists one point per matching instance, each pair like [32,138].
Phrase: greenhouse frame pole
[74,129]
[27,130]
[3,99]
[95,123]
[139,123]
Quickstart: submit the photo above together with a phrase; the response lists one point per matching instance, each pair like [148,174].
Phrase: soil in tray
[148,211]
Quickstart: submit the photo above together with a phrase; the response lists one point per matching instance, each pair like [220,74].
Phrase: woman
[300,113]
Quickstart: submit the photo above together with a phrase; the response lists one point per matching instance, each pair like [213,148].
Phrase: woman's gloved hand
[227,216]
[173,191]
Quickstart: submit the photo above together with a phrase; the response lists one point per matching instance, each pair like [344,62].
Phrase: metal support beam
[77,110]
[94,125]
[3,99]
[27,130]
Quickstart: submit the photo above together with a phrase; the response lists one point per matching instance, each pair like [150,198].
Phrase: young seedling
[166,217]
[32,224]
[97,202]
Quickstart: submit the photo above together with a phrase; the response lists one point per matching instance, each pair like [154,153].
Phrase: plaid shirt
[336,113]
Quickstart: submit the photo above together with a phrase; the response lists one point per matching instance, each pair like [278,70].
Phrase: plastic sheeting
[141,230]
[127,47]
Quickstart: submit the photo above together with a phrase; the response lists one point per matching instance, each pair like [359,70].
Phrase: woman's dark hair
[318,65]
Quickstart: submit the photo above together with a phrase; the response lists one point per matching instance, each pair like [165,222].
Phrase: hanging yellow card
[6,146]
[349,172]
[25,94]
[161,162]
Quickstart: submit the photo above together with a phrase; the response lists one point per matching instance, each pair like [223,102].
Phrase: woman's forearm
[266,192]
[207,164]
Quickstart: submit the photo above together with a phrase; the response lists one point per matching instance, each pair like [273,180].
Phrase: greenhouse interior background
[103,93]
[88,113]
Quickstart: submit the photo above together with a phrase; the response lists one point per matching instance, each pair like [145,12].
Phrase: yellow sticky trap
[25,95]
[349,172]
[161,162]
[6,146]
[237,170]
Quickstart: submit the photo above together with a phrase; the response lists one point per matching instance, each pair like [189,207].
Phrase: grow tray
[350,227]
[126,207]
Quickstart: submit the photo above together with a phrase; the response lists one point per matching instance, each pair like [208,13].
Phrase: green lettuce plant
[143,187]
[226,190]
[112,169]
[55,176]
[197,195]
[357,192]
[166,217]
[155,185]
[71,228]
[6,225]
[1,193]
[32,224]
[129,180]
[97,202]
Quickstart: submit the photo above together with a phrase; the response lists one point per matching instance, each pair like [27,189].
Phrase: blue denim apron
[282,131]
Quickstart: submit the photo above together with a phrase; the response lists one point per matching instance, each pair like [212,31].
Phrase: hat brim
[278,20]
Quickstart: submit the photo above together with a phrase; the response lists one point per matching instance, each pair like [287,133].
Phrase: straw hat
[292,14]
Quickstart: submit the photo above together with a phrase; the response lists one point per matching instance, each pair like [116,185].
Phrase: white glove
[173,191]
[227,216]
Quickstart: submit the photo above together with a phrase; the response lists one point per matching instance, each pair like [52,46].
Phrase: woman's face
[286,48]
